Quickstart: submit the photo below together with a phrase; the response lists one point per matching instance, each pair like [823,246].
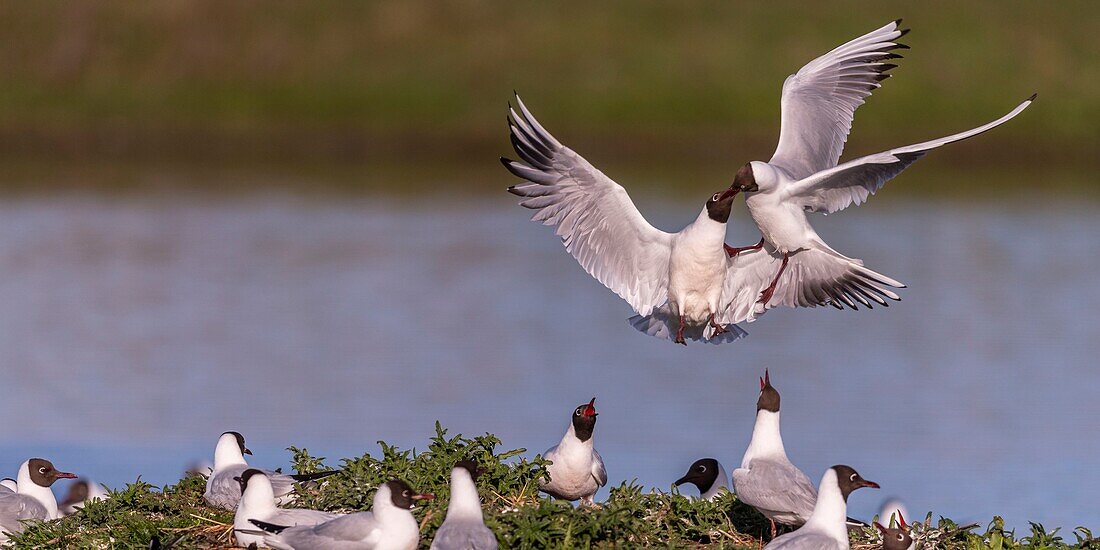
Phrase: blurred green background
[401,96]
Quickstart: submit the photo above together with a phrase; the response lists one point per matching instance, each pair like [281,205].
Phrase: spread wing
[854,181]
[599,473]
[775,486]
[813,277]
[820,100]
[594,216]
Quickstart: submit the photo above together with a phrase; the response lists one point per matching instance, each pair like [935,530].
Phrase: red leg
[680,333]
[718,329]
[768,292]
[731,251]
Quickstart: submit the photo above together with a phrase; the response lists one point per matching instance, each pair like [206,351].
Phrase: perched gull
[896,538]
[766,479]
[388,525]
[708,475]
[33,499]
[464,528]
[223,491]
[818,104]
[258,502]
[577,471]
[827,527]
[80,492]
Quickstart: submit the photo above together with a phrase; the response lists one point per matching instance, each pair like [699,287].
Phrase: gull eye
[901,537]
[405,493]
[702,468]
[714,198]
[853,477]
[42,470]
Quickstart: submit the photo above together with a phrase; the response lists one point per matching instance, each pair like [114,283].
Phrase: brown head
[44,474]
[769,397]
[849,480]
[584,420]
[895,538]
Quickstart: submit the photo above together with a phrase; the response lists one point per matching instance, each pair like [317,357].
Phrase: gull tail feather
[663,324]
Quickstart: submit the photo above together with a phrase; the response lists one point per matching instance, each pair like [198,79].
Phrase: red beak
[728,193]
[871,484]
[423,496]
[65,475]
[591,409]
[766,380]
[901,519]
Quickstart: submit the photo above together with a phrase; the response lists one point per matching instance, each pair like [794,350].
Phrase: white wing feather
[854,181]
[820,100]
[595,218]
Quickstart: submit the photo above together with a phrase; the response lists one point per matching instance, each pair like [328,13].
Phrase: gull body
[803,175]
[577,471]
[258,502]
[766,479]
[33,498]
[464,528]
[827,528]
[223,491]
[388,526]
[708,475]
[81,492]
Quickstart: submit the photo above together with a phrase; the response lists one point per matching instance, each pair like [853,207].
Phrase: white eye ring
[901,537]
[852,477]
[42,470]
[702,468]
[715,197]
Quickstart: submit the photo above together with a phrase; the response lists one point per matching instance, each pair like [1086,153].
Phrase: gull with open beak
[32,499]
[895,538]
[577,471]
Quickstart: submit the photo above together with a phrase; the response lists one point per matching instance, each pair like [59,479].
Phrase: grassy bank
[629,517]
[640,84]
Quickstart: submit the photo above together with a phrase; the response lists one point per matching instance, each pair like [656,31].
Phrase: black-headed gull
[80,492]
[818,105]
[682,285]
[258,502]
[388,525]
[464,527]
[708,475]
[577,471]
[827,527]
[33,499]
[223,491]
[766,479]
[895,538]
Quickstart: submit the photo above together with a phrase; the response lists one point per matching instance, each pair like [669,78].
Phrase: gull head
[895,538]
[702,474]
[584,420]
[745,179]
[849,480]
[720,203]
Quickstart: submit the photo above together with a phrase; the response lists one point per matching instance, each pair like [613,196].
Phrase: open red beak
[766,380]
[901,520]
[65,475]
[591,409]
[423,496]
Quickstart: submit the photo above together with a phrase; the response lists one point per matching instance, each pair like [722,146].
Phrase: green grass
[629,517]
[415,83]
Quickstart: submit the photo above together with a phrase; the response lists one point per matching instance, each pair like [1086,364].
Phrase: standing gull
[33,499]
[818,105]
[766,479]
[708,476]
[827,527]
[577,471]
[389,525]
[464,528]
[222,488]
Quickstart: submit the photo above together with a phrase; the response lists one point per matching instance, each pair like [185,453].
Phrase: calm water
[134,331]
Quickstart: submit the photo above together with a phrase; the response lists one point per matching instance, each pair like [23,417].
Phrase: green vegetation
[393,93]
[628,518]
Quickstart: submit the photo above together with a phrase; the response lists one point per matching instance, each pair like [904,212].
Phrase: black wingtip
[897,22]
[268,527]
[506,162]
[899,46]
[886,67]
[1033,96]
[903,32]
